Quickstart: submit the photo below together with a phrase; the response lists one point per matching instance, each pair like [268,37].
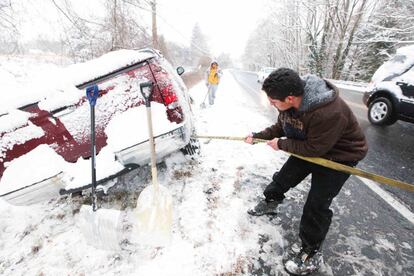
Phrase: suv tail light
[169,98]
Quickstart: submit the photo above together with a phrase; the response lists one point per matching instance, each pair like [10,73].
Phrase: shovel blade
[153,216]
[102,228]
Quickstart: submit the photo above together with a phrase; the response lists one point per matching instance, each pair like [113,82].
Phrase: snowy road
[212,233]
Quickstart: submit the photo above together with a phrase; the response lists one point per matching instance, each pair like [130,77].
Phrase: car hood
[400,63]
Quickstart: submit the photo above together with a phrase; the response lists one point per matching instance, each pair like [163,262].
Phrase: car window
[117,94]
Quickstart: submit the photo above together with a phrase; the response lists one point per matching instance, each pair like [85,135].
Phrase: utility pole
[154,25]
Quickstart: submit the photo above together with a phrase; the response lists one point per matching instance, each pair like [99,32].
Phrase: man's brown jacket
[323,126]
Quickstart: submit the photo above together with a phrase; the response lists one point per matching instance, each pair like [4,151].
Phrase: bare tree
[120,27]
[278,39]
[345,22]
[310,36]
[9,33]
[199,47]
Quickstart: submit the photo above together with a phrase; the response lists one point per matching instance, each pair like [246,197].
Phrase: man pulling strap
[313,121]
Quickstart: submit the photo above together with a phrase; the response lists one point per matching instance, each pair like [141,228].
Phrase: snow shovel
[153,213]
[203,105]
[100,227]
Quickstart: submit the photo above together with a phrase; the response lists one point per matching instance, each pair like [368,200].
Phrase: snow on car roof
[82,72]
[400,62]
[45,81]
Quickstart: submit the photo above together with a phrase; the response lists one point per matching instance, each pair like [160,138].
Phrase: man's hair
[283,82]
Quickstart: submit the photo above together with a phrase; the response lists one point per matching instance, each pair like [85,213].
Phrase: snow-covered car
[46,144]
[390,96]
[264,73]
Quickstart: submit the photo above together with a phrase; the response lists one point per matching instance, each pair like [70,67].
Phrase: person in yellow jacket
[213,75]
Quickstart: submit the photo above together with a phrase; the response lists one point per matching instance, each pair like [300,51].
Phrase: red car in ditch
[61,128]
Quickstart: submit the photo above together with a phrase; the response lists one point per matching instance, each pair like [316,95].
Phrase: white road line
[400,208]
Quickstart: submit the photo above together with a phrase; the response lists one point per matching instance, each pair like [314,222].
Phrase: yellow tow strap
[329,164]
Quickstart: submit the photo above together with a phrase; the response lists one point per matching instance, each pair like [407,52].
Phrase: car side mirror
[180,70]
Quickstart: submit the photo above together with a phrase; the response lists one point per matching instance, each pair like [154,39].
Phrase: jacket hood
[317,93]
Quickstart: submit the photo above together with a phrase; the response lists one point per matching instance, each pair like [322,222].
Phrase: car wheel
[381,112]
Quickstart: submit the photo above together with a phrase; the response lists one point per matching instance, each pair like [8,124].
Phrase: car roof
[108,64]
[83,74]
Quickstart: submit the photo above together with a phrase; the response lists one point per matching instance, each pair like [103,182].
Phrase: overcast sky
[226,23]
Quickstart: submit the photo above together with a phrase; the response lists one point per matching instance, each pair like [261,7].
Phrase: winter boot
[304,263]
[265,207]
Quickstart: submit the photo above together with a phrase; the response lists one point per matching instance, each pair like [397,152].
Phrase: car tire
[381,112]
[192,148]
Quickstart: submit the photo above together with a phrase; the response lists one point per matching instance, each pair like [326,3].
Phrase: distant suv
[43,144]
[390,97]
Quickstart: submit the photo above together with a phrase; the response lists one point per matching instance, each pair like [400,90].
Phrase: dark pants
[325,185]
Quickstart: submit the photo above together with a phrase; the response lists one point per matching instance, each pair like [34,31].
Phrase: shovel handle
[152,145]
[92,93]
[329,164]
[146,91]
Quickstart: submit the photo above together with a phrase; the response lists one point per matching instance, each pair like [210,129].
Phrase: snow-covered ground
[212,233]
